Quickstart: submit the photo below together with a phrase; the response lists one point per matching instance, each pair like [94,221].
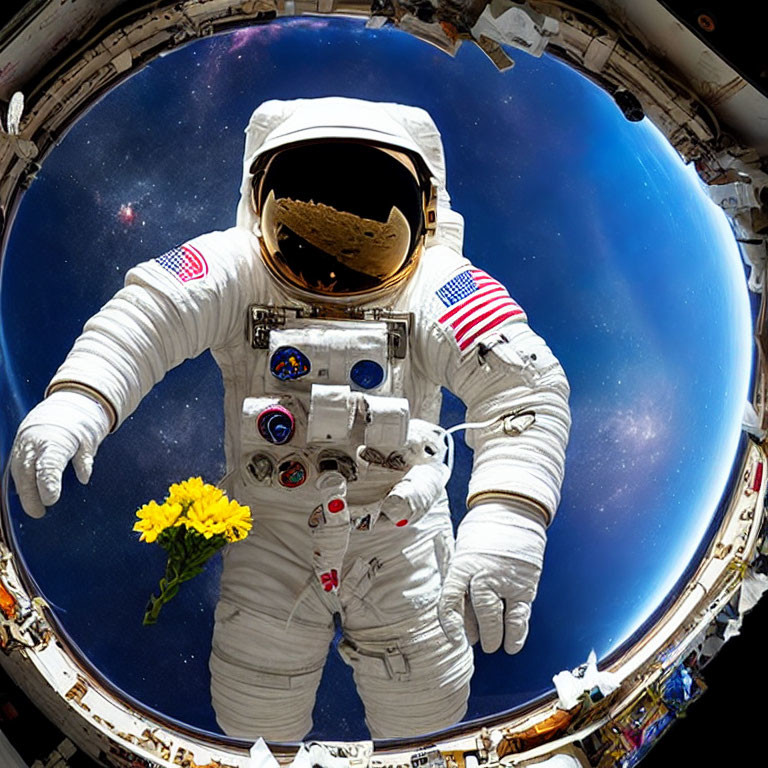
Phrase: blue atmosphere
[592,222]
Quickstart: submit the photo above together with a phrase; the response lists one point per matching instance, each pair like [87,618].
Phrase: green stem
[181,566]
[156,603]
[178,569]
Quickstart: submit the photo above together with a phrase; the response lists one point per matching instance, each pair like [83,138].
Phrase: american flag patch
[457,288]
[185,263]
[477,304]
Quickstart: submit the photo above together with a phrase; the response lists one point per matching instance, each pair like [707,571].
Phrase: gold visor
[341,218]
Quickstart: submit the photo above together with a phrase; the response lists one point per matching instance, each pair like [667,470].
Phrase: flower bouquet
[193,523]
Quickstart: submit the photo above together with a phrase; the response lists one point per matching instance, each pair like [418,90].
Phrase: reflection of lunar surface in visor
[591,222]
[340,217]
[374,248]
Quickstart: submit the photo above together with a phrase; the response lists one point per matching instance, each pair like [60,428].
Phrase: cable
[448,435]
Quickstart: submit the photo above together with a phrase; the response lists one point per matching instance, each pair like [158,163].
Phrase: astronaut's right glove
[498,559]
[67,425]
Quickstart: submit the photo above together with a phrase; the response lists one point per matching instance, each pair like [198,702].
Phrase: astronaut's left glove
[495,569]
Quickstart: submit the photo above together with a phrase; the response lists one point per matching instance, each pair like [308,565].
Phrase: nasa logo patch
[276,424]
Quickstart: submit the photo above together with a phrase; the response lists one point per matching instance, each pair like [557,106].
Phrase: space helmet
[343,197]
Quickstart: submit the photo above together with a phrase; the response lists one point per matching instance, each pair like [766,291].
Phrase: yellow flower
[220,517]
[154,518]
[198,507]
[203,518]
[238,521]
[194,489]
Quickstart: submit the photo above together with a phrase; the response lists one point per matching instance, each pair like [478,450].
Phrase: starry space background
[596,227]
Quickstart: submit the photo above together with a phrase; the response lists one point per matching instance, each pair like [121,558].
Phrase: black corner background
[728,725]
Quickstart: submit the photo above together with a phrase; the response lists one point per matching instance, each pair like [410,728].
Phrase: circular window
[592,222]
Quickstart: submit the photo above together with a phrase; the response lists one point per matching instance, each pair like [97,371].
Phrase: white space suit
[327,400]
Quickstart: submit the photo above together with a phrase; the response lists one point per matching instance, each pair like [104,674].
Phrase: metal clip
[261,321]
[397,339]
[516,423]
[397,665]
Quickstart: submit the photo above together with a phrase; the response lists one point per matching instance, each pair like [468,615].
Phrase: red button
[335,505]
[401,523]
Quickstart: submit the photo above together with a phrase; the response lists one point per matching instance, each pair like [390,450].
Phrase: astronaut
[336,308]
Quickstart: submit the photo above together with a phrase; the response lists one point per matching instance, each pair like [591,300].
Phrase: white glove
[498,559]
[66,425]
